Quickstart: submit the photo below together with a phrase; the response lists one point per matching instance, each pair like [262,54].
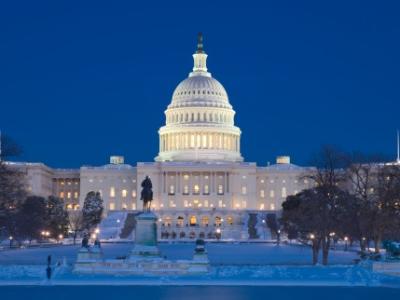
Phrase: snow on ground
[338,275]
[232,264]
[219,253]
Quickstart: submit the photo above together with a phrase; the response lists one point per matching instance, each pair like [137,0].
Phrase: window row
[199,117]
[68,195]
[182,141]
[193,220]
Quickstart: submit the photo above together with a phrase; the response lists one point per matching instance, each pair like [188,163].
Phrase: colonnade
[199,140]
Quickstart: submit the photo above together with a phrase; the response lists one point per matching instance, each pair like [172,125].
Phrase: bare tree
[375,184]
[329,177]
[75,219]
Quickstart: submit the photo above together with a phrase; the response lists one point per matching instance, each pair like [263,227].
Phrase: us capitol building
[202,186]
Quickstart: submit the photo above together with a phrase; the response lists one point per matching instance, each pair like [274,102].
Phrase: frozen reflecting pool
[195,292]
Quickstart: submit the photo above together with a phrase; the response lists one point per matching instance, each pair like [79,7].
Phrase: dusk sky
[80,82]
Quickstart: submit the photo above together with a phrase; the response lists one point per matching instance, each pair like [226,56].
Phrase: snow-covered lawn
[223,253]
[232,264]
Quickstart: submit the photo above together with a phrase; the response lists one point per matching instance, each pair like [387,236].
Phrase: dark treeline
[354,197]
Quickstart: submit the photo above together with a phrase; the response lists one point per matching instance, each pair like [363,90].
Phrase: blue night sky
[80,81]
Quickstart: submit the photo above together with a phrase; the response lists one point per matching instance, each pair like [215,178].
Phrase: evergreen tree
[92,210]
[32,218]
[57,216]
[12,188]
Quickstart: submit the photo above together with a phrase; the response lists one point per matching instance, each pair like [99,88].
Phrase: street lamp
[345,243]
[218,231]
[278,238]
[11,239]
[312,236]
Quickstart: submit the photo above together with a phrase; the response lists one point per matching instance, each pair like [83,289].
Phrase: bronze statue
[147,194]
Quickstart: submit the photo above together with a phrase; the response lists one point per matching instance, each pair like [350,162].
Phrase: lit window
[206,189]
[76,195]
[133,206]
[220,189]
[61,194]
[204,221]
[205,203]
[305,181]
[171,189]
[271,181]
[196,189]
[262,180]
[69,195]
[112,193]
[124,193]
[284,192]
[193,221]
[220,204]
[186,177]
[272,206]
[262,206]
[272,193]
[229,220]
[62,182]
[134,193]
[90,180]
[185,203]
[112,206]
[262,193]
[244,190]
[69,182]
[69,206]
[186,189]
[124,206]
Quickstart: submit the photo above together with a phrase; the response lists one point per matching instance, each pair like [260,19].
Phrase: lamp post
[11,239]
[264,229]
[278,238]
[218,231]
[345,243]
[332,235]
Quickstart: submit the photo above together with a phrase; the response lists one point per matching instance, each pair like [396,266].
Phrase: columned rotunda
[200,119]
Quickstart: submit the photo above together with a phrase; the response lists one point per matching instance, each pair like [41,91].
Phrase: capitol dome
[199,119]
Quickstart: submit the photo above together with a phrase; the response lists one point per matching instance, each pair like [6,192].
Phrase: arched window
[193,221]
[218,221]
[179,221]
[204,220]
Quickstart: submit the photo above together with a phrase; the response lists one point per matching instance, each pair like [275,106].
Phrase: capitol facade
[202,186]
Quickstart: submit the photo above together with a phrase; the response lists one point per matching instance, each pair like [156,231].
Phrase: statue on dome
[146,194]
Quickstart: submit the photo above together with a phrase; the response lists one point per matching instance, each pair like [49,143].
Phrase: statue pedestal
[145,237]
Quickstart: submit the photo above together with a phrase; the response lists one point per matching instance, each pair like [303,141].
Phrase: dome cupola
[199,119]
